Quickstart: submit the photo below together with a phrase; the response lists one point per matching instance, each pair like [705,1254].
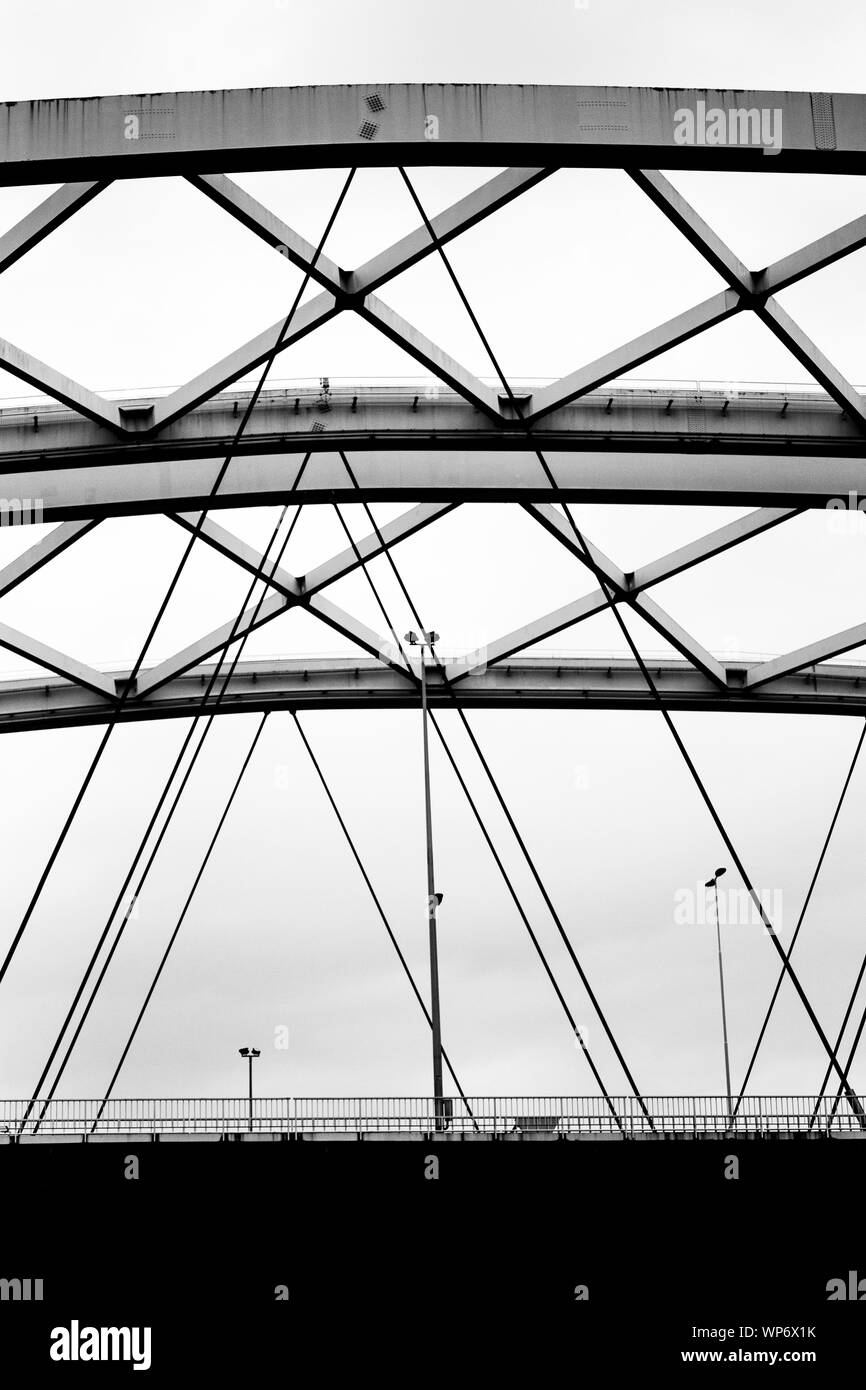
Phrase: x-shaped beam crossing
[342,290]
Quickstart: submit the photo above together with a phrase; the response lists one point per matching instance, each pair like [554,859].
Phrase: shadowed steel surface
[516,1116]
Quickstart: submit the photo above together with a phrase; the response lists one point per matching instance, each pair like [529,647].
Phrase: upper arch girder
[489,124]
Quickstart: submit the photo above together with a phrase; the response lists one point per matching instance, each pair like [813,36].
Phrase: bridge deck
[394,1117]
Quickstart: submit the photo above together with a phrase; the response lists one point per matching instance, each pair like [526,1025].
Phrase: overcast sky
[147,286]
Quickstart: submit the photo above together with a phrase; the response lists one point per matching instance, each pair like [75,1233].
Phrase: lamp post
[422,640]
[714,884]
[250,1053]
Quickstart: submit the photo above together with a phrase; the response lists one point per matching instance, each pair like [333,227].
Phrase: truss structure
[88,458]
[83,459]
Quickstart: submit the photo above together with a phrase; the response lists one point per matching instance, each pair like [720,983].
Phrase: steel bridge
[450,439]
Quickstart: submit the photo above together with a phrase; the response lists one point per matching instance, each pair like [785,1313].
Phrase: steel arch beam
[621,444]
[425,414]
[363,684]
[448,477]
[169,133]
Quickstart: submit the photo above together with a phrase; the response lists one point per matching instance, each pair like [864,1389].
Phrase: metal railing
[503,1116]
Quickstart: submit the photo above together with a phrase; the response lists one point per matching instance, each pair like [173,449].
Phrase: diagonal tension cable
[129,684]
[524,849]
[707,799]
[853,1050]
[165,792]
[824,848]
[657,699]
[574,1027]
[245,764]
[375,897]
[259,575]
[195,885]
[189,900]
[577,1032]
[854,1045]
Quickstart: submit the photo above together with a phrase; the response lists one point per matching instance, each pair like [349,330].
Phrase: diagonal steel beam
[293,592]
[626,585]
[816,652]
[45,218]
[552,519]
[348,626]
[233,548]
[53,660]
[667,335]
[605,569]
[357,285]
[373,544]
[714,543]
[527,635]
[61,388]
[270,228]
[214,641]
[466,213]
[668,628]
[57,540]
[458,218]
[817,365]
[771,314]
[693,227]
[809,259]
[429,354]
[255,617]
[244,359]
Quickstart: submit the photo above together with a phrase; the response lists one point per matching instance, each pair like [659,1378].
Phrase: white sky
[149,285]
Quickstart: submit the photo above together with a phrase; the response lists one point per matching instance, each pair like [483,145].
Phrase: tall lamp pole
[250,1053]
[714,884]
[422,640]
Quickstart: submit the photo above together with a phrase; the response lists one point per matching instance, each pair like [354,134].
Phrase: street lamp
[422,640]
[714,884]
[250,1053]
